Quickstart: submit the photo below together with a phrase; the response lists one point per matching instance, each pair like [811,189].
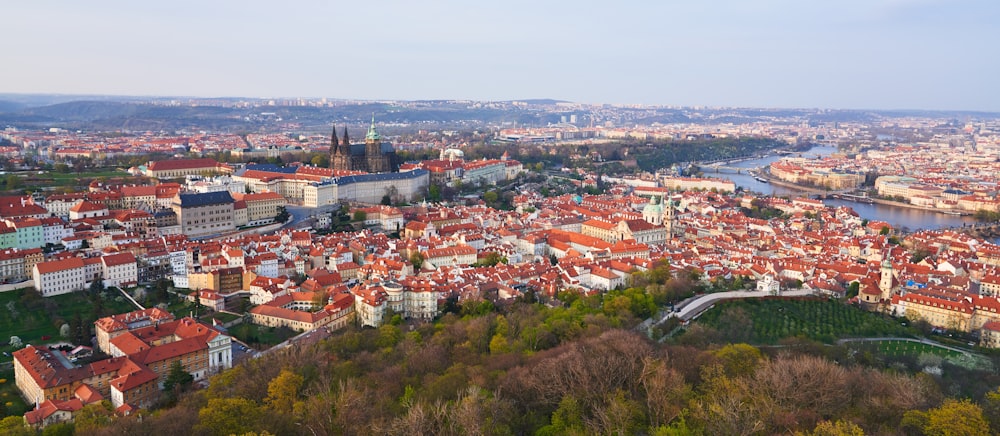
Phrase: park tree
[739,359]
[282,215]
[94,416]
[96,286]
[320,160]
[226,416]
[15,426]
[417,259]
[283,392]
[490,197]
[434,193]
[178,380]
[956,417]
[360,215]
[991,409]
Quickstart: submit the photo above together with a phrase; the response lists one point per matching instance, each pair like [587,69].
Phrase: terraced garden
[773,319]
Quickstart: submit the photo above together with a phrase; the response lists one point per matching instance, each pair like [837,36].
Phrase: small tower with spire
[377,163]
[334,147]
[340,152]
[885,283]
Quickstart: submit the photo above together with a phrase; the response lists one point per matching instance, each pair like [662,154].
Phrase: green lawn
[72,178]
[770,320]
[32,318]
[259,336]
[9,395]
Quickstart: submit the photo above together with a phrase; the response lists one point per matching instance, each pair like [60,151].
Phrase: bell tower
[373,151]
[885,280]
[334,147]
[340,157]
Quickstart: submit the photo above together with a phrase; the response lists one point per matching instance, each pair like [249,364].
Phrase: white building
[120,270]
[60,276]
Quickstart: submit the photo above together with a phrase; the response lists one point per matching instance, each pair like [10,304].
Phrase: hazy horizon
[854,54]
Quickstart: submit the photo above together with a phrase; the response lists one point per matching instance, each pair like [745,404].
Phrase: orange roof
[59,265]
[119,259]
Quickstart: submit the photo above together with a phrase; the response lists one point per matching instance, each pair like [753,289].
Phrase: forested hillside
[527,368]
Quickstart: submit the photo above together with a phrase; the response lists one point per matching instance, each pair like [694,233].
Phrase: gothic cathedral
[373,156]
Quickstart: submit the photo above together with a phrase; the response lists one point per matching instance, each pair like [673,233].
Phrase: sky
[835,54]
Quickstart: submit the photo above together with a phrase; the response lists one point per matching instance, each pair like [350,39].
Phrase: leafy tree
[96,286]
[566,420]
[13,182]
[491,259]
[282,215]
[991,409]
[15,426]
[853,289]
[956,417]
[360,215]
[434,193]
[417,259]
[94,416]
[59,429]
[177,379]
[320,160]
[838,428]
[490,197]
[283,392]
[739,359]
[226,416]
[386,200]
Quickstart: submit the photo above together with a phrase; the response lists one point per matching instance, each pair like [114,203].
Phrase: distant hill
[10,106]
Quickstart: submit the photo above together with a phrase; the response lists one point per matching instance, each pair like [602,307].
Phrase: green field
[32,318]
[767,321]
[9,394]
[71,179]
[261,337]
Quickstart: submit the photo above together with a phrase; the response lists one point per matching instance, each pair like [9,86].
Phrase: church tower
[334,147]
[669,216]
[885,281]
[340,155]
[377,163]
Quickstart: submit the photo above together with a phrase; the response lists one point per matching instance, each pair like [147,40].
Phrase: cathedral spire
[372,134]
[333,139]
[346,142]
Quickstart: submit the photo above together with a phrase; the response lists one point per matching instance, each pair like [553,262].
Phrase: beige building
[203,214]
[319,194]
[185,167]
[262,207]
[370,188]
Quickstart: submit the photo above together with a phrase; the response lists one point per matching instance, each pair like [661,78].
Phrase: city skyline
[888,54]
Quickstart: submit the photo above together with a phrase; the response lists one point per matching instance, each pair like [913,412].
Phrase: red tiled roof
[59,265]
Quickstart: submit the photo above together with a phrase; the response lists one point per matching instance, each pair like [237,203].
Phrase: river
[898,217]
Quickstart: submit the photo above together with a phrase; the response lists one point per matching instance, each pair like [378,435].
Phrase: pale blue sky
[881,54]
